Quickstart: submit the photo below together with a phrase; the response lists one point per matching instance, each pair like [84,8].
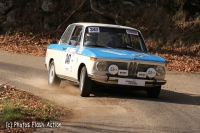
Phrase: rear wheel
[53,79]
[154,92]
[85,83]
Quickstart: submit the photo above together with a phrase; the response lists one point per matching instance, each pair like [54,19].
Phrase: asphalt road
[176,110]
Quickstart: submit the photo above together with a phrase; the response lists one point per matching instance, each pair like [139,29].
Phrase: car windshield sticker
[109,25]
[112,52]
[93,30]
[133,32]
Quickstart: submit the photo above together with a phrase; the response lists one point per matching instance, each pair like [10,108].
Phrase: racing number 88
[68,57]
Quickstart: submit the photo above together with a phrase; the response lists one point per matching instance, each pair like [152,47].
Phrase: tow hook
[155,82]
[107,78]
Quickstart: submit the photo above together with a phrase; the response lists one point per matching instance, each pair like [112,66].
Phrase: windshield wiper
[133,48]
[108,47]
[103,46]
[97,45]
[93,45]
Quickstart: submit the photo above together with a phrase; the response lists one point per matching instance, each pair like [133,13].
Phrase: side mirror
[73,43]
[77,43]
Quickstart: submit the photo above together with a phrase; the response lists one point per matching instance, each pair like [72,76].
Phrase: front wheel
[85,83]
[153,92]
[53,79]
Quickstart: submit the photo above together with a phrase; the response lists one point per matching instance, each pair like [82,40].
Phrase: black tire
[153,92]
[85,83]
[53,79]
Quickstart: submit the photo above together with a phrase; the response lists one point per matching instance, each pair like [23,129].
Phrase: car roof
[86,24]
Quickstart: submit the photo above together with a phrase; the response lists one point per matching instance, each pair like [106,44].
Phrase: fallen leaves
[32,107]
[182,63]
[183,59]
[24,45]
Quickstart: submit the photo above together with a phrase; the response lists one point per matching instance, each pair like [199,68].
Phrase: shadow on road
[165,95]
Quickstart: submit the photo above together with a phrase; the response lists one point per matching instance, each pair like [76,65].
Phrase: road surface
[110,110]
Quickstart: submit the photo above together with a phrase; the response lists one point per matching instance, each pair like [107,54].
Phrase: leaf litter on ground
[30,107]
[182,59]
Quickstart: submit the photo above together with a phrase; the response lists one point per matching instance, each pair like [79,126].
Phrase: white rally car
[92,53]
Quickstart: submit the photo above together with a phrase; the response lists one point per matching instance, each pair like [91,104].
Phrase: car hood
[120,54]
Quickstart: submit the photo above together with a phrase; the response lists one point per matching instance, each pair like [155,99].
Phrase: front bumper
[113,80]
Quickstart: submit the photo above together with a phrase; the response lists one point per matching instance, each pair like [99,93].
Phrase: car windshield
[114,38]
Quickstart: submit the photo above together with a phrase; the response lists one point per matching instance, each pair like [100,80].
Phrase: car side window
[76,35]
[66,35]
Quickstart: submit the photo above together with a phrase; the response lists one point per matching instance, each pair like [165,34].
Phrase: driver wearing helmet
[91,39]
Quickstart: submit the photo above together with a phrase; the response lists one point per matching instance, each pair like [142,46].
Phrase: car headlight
[101,66]
[160,70]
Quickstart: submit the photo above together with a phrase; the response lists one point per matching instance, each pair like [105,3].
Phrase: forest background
[171,28]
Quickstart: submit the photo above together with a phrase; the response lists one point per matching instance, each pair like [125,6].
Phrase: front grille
[132,68]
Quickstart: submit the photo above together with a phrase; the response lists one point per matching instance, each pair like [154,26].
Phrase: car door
[62,46]
[69,56]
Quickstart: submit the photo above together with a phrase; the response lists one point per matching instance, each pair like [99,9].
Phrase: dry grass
[22,107]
